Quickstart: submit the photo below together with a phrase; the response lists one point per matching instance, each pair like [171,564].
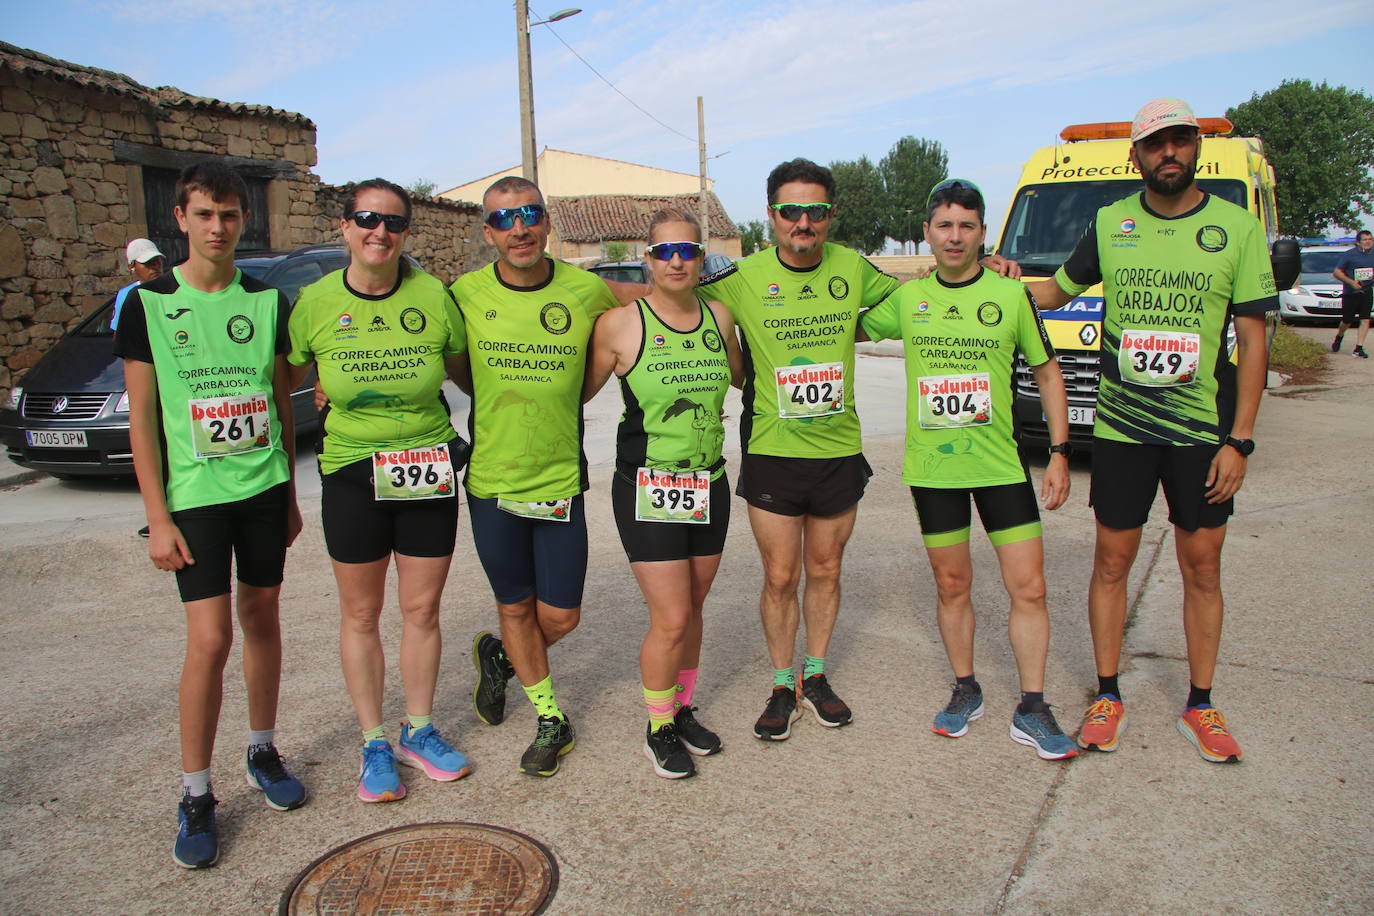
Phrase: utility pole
[705,216]
[522,53]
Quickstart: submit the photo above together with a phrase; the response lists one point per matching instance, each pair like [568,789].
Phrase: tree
[860,204]
[422,188]
[753,236]
[1320,141]
[617,251]
[910,169]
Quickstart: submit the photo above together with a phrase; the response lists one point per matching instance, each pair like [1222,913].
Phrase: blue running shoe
[267,772]
[377,780]
[424,748]
[965,705]
[197,843]
[1039,730]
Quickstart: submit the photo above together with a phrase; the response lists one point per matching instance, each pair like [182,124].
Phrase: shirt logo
[774,289]
[711,339]
[173,316]
[181,337]
[689,344]
[413,320]
[839,288]
[1128,225]
[1211,238]
[806,292]
[989,314]
[555,318]
[923,307]
[240,329]
[952,312]
[345,320]
[377,324]
[658,340]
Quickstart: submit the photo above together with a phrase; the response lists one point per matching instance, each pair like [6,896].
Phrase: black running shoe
[197,843]
[699,740]
[1336,344]
[828,709]
[554,739]
[665,751]
[493,670]
[776,722]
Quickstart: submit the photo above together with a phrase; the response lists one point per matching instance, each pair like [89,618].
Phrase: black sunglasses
[505,217]
[368,219]
[793,212]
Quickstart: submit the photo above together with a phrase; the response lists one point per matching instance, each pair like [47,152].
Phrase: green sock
[418,722]
[541,695]
[783,677]
[375,734]
[660,704]
[814,665]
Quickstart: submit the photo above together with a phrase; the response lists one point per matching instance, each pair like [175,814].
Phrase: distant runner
[1356,273]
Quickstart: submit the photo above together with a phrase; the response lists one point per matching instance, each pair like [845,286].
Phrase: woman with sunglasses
[676,355]
[381,334]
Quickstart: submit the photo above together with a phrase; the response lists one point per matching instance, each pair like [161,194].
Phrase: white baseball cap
[142,251]
[1159,114]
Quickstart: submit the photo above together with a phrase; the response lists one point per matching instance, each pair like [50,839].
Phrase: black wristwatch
[1062,448]
[1244,446]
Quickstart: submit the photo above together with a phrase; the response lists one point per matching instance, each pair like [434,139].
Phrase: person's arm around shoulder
[1054,401]
[608,348]
[1227,472]
[726,323]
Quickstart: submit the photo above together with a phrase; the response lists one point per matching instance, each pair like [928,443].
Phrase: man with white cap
[146,263]
[1178,266]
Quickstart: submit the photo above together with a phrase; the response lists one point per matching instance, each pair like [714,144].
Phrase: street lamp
[522,44]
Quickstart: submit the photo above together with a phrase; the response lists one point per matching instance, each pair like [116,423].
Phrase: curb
[19,477]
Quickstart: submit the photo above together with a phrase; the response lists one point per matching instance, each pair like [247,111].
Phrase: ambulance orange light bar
[1121,130]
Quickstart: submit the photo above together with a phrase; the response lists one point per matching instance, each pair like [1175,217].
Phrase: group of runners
[211,357]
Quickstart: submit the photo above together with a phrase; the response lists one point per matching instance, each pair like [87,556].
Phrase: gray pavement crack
[1274,669]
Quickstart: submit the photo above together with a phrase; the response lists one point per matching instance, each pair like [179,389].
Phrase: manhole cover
[424,869]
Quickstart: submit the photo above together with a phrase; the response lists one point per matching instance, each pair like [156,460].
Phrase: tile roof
[33,63]
[626,216]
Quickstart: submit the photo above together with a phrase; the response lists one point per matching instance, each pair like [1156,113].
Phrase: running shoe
[197,843]
[493,670]
[377,779]
[776,722]
[665,751]
[1039,730]
[1359,352]
[554,738]
[267,773]
[1205,726]
[964,706]
[1103,723]
[423,748]
[828,709]
[699,740]
[1336,344]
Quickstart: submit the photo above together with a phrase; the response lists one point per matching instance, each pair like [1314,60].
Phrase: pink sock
[686,686]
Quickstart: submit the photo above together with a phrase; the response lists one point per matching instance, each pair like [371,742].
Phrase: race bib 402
[813,390]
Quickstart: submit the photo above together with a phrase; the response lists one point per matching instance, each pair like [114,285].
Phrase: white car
[1317,297]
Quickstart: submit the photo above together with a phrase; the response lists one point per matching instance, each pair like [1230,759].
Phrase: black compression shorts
[1009,513]
[649,542]
[251,532]
[360,528]
[525,556]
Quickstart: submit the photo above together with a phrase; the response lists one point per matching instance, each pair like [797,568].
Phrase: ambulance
[1061,188]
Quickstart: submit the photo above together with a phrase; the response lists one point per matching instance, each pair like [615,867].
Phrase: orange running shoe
[1205,726]
[1103,723]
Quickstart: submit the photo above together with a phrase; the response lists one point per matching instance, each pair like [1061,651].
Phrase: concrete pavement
[878,817]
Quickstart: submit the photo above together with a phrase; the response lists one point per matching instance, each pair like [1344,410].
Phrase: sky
[428,90]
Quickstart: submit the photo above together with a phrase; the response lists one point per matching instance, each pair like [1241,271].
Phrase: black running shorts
[360,528]
[1126,476]
[822,487]
[650,542]
[250,533]
[1355,306]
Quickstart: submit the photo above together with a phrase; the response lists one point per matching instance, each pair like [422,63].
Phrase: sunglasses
[793,212]
[368,219]
[687,251]
[953,184]
[504,218]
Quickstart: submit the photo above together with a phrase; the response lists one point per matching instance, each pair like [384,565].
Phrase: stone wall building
[89,160]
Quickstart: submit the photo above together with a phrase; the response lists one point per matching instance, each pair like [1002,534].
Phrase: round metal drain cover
[424,869]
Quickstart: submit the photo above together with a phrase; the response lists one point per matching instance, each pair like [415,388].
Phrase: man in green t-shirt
[803,470]
[960,329]
[1178,266]
[528,321]
[210,424]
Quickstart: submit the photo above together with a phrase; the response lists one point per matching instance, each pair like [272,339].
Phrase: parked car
[635,271]
[1317,297]
[69,416]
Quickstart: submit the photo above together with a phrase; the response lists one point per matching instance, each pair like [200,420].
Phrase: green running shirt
[205,347]
[1170,288]
[528,348]
[673,395]
[799,348]
[960,342]
[381,362]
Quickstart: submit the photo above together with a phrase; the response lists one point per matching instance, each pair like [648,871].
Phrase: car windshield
[1318,266]
[1047,220]
[98,325]
[256,268]
[620,274]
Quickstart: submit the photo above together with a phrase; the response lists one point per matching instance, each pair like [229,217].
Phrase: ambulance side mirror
[1286,259]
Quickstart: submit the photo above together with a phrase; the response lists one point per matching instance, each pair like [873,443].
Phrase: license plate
[56,438]
[1082,416]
